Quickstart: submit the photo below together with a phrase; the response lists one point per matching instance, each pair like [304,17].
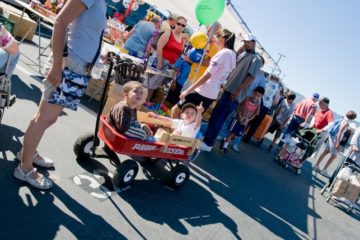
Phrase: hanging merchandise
[209,11]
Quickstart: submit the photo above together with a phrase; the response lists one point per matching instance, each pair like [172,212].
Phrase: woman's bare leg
[46,115]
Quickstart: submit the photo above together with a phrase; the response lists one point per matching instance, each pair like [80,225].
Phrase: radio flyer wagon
[177,151]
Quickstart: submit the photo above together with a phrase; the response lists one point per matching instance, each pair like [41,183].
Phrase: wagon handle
[111,57]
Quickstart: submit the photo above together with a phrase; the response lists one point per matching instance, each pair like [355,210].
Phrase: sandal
[39,160]
[41,182]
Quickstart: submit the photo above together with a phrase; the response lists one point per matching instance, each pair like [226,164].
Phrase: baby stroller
[297,148]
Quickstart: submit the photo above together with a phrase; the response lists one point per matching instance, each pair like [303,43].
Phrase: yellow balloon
[199,40]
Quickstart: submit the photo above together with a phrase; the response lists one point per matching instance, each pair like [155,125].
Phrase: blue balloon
[195,55]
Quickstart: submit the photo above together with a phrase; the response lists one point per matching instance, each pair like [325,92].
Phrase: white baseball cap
[250,37]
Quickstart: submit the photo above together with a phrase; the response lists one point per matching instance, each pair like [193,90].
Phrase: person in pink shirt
[206,89]
[302,113]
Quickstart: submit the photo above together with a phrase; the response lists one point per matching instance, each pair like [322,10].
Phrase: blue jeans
[14,58]
[225,129]
[224,107]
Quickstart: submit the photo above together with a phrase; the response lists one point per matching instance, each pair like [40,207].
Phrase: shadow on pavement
[11,137]
[174,207]
[27,213]
[273,196]
[25,91]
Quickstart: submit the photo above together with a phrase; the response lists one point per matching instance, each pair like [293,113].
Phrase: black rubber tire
[82,146]
[178,176]
[125,173]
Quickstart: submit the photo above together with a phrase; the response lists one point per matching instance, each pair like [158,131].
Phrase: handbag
[73,85]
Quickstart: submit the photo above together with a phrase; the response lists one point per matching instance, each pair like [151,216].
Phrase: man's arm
[248,80]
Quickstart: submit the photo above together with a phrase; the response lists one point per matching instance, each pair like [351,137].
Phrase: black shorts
[236,127]
[196,99]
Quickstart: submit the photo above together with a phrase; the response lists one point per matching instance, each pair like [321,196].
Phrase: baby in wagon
[188,125]
[123,116]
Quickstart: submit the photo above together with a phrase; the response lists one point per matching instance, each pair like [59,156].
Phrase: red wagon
[176,156]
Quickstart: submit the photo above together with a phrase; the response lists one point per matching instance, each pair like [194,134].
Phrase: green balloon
[209,11]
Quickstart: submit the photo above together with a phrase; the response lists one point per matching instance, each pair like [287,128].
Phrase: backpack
[335,129]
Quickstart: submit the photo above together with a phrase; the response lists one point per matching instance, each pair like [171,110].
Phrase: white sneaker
[324,173]
[316,168]
[235,147]
[39,160]
[203,146]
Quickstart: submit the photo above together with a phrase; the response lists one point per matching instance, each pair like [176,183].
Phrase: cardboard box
[21,27]
[115,95]
[94,92]
[346,189]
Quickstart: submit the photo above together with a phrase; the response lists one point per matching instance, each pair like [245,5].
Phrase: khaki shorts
[72,62]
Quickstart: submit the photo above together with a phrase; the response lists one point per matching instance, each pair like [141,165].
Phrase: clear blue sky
[320,39]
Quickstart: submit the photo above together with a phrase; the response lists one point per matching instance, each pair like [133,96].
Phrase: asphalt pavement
[244,195]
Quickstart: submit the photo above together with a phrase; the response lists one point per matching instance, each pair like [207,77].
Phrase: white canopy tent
[230,20]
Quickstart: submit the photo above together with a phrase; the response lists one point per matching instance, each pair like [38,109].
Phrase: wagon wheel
[125,173]
[178,176]
[84,145]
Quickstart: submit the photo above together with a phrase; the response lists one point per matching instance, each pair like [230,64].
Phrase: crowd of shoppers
[231,79]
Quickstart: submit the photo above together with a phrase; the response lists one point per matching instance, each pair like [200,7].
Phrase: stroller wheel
[298,171]
[328,199]
[286,165]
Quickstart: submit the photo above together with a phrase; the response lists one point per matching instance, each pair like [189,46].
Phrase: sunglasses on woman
[181,25]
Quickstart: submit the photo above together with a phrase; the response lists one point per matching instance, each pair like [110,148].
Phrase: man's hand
[234,95]
[54,76]
[200,108]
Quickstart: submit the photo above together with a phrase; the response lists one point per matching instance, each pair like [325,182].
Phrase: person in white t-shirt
[206,89]
[189,124]
[335,132]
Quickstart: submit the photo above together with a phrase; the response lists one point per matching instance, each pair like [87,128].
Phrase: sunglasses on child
[181,25]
